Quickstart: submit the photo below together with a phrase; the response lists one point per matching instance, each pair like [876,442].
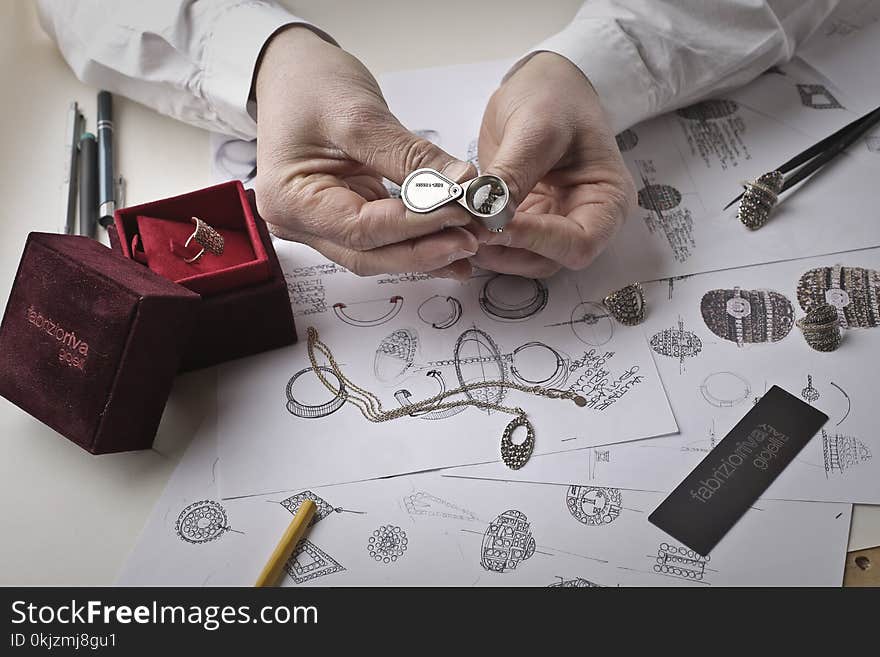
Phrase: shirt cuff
[232,51]
[611,62]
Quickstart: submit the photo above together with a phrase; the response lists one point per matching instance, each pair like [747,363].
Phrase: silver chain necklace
[514,455]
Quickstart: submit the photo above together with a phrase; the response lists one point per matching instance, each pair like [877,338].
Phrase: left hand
[545,134]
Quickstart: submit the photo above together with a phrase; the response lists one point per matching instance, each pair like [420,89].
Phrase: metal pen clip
[486,197]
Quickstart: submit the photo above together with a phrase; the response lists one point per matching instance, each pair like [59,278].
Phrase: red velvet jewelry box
[90,344]
[245,305]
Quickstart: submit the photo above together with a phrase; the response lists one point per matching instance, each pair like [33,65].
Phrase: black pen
[106,188]
[88,185]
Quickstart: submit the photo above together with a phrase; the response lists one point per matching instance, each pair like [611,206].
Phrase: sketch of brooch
[387,544]
[593,505]
[308,561]
[202,522]
[507,542]
[677,343]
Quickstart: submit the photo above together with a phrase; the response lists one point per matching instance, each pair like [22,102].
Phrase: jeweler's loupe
[486,197]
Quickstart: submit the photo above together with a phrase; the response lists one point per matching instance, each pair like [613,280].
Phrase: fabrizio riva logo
[73,350]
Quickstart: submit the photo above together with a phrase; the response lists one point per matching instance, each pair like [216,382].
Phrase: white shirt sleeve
[190,59]
[646,57]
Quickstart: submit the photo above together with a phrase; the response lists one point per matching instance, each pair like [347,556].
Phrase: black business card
[712,498]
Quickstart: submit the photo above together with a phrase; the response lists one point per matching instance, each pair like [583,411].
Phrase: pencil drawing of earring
[208,238]
[627,305]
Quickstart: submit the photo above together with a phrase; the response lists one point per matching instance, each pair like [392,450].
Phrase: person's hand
[545,134]
[325,139]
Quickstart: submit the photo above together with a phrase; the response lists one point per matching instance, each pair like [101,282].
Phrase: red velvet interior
[163,243]
[225,207]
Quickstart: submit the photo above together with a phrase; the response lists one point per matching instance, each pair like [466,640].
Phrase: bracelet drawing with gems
[514,455]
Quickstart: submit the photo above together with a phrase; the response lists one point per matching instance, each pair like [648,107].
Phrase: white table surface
[67,517]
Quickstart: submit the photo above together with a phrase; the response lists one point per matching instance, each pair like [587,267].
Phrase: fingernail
[459,255]
[456,170]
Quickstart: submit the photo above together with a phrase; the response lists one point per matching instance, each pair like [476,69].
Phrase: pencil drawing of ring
[627,305]
[209,239]
[314,411]
[759,198]
[821,327]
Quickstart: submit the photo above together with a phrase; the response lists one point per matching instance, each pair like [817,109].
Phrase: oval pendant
[516,456]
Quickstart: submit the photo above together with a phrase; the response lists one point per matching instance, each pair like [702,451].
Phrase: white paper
[397,336]
[427,529]
[714,382]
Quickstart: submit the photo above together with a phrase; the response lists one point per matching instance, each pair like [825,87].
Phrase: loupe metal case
[486,197]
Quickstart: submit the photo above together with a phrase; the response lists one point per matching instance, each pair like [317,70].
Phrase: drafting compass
[486,197]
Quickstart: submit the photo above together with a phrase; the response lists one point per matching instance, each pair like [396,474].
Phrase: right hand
[325,139]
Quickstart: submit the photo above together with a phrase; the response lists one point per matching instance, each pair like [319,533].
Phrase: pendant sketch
[576,583]
[507,542]
[591,323]
[677,343]
[507,298]
[299,408]
[817,96]
[403,397]
[681,562]
[725,389]
[202,522]
[308,562]
[440,312]
[809,394]
[395,355]
[592,505]
[387,544]
[373,312]
[708,109]
[422,503]
[841,453]
[659,197]
[627,140]
[323,509]
[747,316]
[854,291]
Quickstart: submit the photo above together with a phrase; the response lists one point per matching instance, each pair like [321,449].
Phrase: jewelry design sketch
[725,389]
[373,312]
[809,394]
[403,397]
[324,508]
[202,522]
[530,373]
[395,355]
[507,542]
[440,312]
[308,562]
[677,343]
[627,140]
[591,323]
[747,316]
[576,583]
[593,505]
[841,453]
[659,197]
[853,291]
[681,562]
[422,503]
[848,402]
[817,96]
[314,411]
[508,298]
[708,109]
[478,358]
[387,544]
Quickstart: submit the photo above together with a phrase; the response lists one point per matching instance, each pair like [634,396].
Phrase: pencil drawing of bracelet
[315,411]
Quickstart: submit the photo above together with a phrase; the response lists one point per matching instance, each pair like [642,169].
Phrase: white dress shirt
[194,59]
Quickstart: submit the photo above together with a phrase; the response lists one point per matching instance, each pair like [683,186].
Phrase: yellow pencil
[272,570]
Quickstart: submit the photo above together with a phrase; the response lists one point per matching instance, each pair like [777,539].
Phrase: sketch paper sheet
[426,529]
[712,382]
[408,337]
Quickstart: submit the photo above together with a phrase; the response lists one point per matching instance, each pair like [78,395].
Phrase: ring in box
[92,339]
